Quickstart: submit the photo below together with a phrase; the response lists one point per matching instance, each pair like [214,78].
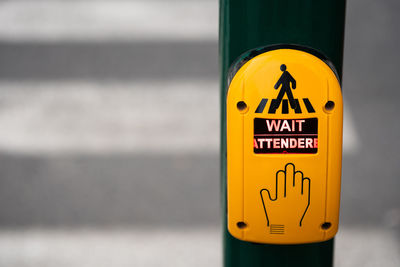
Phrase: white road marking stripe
[49,20]
[143,117]
[164,117]
[367,247]
[351,141]
[133,247]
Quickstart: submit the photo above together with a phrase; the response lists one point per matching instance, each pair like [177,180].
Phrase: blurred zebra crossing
[110,136]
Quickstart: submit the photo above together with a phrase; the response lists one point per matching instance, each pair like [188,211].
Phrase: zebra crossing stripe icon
[287,83]
[285,106]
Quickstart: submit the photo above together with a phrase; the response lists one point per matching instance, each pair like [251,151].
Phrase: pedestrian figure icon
[285,81]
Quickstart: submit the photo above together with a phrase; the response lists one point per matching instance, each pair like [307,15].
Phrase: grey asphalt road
[109,60]
[128,188]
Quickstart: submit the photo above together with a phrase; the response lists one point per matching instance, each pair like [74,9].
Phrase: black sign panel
[290,136]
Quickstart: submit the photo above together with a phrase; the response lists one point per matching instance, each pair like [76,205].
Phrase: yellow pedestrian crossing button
[284,149]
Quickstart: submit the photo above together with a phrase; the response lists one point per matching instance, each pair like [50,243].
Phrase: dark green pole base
[238,254]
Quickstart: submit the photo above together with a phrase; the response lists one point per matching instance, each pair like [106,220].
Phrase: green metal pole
[249,24]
